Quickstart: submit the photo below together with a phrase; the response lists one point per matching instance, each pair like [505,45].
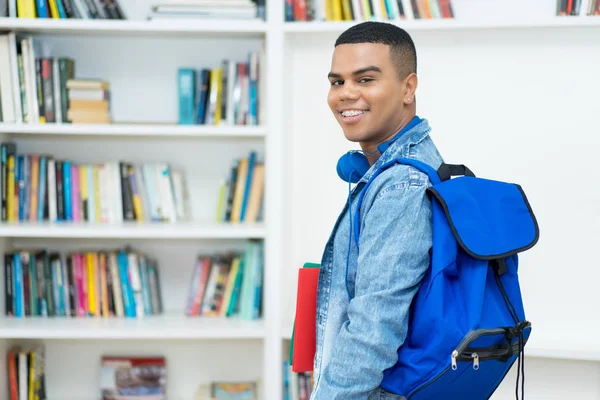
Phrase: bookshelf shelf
[168,326]
[447,24]
[252,28]
[138,130]
[133,230]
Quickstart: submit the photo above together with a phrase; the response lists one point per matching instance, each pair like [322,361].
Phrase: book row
[39,90]
[577,7]
[82,9]
[123,376]
[225,285]
[241,194]
[26,368]
[39,187]
[119,282]
[296,386]
[33,89]
[224,95]
[365,10]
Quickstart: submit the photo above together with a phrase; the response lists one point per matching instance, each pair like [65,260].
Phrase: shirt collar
[414,132]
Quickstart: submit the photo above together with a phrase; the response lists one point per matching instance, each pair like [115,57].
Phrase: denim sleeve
[395,238]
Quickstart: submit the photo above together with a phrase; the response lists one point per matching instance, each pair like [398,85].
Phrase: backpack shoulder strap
[423,167]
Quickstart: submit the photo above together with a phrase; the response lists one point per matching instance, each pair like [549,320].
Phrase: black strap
[499,265]
[446,171]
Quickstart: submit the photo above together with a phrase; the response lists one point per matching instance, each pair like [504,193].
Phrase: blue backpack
[467,325]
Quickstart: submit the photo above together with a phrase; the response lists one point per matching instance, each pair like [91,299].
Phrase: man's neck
[371,148]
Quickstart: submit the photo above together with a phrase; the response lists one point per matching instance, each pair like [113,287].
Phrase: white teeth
[352,113]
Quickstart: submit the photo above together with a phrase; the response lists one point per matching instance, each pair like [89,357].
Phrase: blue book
[251,163]
[186,90]
[61,9]
[42,189]
[20,178]
[41,8]
[126,289]
[253,89]
[67,191]
[202,94]
[18,288]
[145,286]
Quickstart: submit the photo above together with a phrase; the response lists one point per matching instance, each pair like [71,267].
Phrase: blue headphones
[353,165]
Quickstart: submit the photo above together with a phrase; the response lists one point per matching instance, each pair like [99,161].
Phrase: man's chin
[353,135]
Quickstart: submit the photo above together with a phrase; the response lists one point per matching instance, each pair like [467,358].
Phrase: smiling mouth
[352,113]
[352,116]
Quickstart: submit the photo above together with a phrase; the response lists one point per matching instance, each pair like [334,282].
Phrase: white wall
[517,105]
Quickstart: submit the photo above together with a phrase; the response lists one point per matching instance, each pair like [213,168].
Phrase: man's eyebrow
[370,68]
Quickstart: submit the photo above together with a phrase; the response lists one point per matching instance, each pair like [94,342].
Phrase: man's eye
[337,83]
[365,80]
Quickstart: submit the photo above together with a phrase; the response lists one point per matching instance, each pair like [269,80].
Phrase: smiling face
[368,96]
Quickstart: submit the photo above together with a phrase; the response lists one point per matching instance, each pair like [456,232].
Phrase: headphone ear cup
[352,166]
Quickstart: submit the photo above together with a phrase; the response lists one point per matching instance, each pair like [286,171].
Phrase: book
[303,344]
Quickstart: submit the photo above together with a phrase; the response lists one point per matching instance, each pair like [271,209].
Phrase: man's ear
[410,88]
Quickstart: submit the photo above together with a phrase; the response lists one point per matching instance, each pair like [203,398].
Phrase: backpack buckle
[499,266]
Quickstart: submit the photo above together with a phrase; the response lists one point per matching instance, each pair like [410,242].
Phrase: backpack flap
[490,219]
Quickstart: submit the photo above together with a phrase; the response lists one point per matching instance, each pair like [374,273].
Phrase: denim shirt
[358,339]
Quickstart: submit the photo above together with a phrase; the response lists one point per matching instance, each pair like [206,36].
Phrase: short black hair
[402,47]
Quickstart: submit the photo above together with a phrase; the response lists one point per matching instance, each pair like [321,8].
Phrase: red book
[303,346]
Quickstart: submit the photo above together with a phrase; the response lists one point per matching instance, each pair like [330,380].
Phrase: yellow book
[91,284]
[384,14]
[96,192]
[216,82]
[329,9]
[11,199]
[221,202]
[26,9]
[347,10]
[235,267]
[83,189]
[337,10]
[138,210]
[256,193]
[53,9]
[367,12]
[34,188]
[240,185]
[32,376]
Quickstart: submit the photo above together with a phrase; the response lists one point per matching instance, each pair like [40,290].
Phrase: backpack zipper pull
[454,356]
[475,361]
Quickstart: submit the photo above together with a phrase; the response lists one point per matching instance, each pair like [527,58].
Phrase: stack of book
[205,9]
[88,101]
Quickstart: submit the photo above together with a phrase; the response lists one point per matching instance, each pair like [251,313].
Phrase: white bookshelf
[138,130]
[138,28]
[133,230]
[144,105]
[298,27]
[167,326]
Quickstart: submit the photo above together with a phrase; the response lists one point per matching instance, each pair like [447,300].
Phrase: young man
[365,291]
